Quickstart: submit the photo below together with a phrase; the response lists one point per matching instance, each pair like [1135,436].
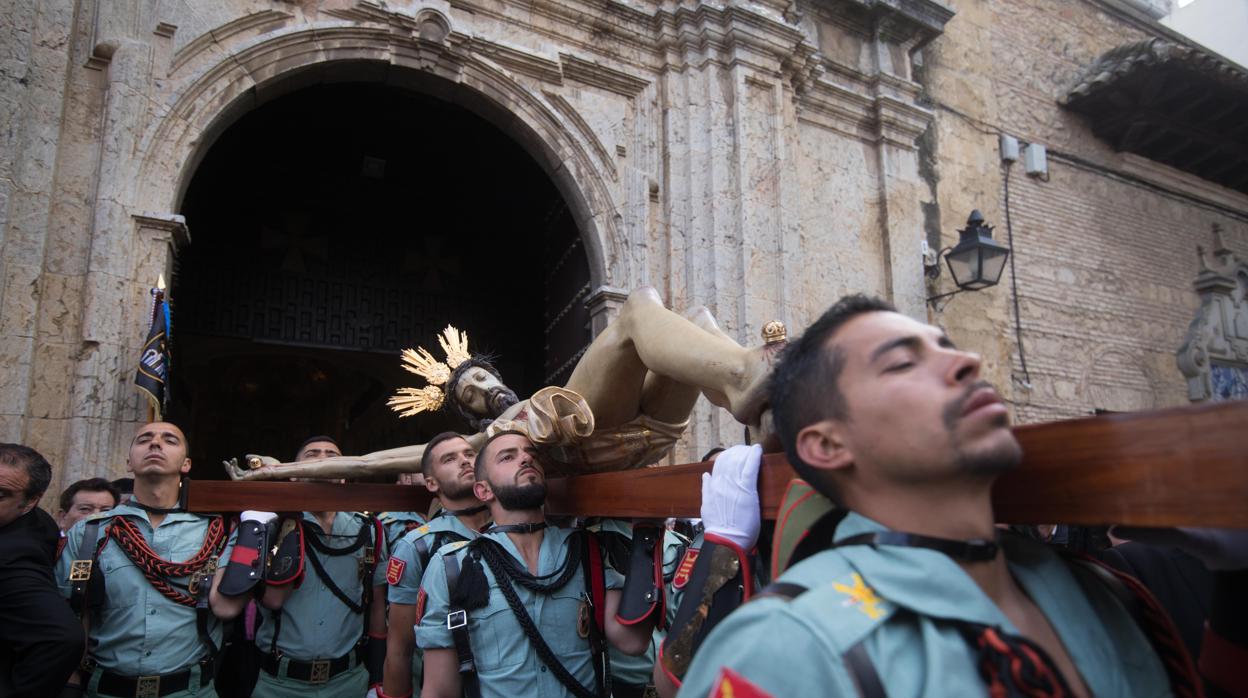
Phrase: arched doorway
[332,227]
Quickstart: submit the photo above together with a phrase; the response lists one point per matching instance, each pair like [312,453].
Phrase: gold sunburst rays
[412,401]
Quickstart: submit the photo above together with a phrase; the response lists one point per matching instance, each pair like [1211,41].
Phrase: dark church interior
[338,224]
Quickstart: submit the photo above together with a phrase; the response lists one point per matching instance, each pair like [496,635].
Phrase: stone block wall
[1105,246]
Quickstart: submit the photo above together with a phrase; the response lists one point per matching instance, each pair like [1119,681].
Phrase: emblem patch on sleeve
[730,684]
[681,578]
[394,571]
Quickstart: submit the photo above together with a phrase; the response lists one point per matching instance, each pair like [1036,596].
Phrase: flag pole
[158,295]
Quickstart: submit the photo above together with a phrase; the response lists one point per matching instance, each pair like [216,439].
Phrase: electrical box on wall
[1035,160]
[1009,148]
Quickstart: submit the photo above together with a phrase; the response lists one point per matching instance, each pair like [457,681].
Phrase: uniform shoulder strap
[457,623]
[857,660]
[1148,615]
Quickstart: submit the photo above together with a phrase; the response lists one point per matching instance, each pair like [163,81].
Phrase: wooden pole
[1185,466]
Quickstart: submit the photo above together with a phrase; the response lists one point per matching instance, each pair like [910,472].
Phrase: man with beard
[524,609]
[625,405]
[915,592]
[447,467]
[139,575]
[323,606]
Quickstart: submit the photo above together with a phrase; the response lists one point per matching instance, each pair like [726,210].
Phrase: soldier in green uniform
[322,609]
[139,574]
[914,593]
[447,469]
[631,674]
[524,609]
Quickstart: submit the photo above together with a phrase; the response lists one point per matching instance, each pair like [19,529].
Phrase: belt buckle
[147,687]
[456,620]
[320,671]
[80,570]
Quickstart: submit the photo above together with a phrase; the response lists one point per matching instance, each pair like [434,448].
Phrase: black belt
[152,686]
[315,671]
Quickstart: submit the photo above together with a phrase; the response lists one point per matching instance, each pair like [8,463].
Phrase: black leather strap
[518,528]
[117,685]
[83,575]
[860,667]
[305,671]
[457,623]
[464,512]
[975,550]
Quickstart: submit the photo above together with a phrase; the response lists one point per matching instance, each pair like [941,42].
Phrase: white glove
[372,693]
[730,496]
[260,517]
[1220,549]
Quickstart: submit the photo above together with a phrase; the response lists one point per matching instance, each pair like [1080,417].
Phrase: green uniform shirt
[315,623]
[409,564]
[398,523]
[507,664]
[899,602]
[138,631]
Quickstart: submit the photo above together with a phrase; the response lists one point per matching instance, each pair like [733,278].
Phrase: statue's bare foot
[747,404]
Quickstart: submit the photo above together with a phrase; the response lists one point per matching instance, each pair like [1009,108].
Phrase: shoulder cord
[314,540]
[1010,664]
[1151,618]
[424,551]
[316,543]
[157,570]
[493,553]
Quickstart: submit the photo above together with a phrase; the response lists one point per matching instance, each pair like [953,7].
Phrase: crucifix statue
[625,405]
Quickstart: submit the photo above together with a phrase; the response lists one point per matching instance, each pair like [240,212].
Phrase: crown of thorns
[412,401]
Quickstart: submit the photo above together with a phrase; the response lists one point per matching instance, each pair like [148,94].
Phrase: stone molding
[1219,332]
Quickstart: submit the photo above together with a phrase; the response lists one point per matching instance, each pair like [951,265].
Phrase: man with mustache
[524,609]
[447,467]
[915,591]
[139,575]
[322,608]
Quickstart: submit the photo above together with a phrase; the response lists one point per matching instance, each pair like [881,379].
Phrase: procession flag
[154,359]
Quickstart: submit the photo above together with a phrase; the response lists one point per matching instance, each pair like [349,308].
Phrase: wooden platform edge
[1185,466]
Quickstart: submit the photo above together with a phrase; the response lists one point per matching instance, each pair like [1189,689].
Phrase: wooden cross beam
[1185,466]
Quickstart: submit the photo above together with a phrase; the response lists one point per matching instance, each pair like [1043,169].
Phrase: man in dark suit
[41,641]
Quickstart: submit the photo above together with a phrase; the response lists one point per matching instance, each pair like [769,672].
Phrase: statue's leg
[670,401]
[648,336]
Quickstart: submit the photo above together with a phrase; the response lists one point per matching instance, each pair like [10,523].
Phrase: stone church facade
[758,157]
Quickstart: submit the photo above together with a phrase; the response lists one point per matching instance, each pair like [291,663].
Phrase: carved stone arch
[217,90]
[1118,380]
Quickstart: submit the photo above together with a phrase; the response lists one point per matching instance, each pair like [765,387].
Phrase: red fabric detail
[663,666]
[158,570]
[784,520]
[244,556]
[1184,679]
[394,570]
[421,598]
[60,546]
[597,585]
[1223,662]
[730,684]
[747,577]
[681,578]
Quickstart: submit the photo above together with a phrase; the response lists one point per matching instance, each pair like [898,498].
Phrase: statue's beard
[500,399]
[520,497]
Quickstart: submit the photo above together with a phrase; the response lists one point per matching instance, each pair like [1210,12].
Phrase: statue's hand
[233,470]
[251,463]
[255,462]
